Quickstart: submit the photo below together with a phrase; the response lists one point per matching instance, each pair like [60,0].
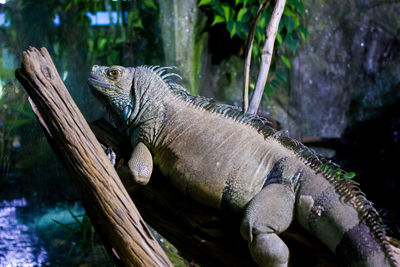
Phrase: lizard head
[132,94]
[113,85]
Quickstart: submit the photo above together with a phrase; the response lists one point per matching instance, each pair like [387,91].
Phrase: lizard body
[225,159]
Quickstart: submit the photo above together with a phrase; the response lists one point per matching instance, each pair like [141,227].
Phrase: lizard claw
[111,155]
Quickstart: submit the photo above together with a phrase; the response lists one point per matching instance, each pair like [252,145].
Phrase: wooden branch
[247,63]
[266,55]
[208,236]
[104,197]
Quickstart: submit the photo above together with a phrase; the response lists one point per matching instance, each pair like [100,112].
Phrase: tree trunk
[104,197]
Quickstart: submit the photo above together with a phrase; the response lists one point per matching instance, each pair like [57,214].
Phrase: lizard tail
[338,213]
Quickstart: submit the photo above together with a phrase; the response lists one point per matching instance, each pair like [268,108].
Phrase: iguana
[223,158]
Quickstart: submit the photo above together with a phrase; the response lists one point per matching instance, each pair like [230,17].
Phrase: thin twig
[247,63]
[266,55]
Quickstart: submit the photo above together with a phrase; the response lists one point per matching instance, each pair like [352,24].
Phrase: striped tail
[338,213]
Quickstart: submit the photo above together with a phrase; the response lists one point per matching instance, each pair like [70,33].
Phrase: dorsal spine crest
[347,189]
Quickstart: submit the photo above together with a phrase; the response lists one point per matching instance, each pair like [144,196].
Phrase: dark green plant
[238,15]
[81,233]
[75,46]
[337,173]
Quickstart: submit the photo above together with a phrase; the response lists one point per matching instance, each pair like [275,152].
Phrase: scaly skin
[231,161]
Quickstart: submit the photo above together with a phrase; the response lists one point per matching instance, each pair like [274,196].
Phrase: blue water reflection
[19,244]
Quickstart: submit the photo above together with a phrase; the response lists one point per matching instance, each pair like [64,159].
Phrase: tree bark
[104,197]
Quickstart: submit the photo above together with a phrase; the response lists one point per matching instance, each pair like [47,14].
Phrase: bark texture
[104,197]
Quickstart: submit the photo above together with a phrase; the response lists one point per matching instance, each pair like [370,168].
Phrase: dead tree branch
[266,55]
[247,63]
[104,197]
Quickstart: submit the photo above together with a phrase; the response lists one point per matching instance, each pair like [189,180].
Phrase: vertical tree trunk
[183,38]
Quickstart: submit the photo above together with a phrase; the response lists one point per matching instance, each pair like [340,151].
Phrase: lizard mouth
[92,81]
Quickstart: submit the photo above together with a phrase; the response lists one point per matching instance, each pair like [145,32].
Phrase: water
[19,243]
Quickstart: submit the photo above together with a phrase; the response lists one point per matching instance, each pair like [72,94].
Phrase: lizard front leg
[138,170]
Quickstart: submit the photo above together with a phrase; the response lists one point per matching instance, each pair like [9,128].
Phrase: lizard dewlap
[222,158]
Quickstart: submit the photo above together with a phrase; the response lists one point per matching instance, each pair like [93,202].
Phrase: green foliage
[349,175]
[15,115]
[338,173]
[75,46]
[170,251]
[81,234]
[238,15]
[286,61]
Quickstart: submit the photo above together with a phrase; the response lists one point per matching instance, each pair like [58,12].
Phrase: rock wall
[348,70]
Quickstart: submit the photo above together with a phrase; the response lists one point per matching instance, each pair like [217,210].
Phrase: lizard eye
[114,73]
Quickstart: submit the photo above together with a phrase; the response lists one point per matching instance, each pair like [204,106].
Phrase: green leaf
[269,91]
[286,61]
[237,2]
[296,21]
[13,124]
[349,175]
[241,12]
[259,34]
[262,22]
[299,5]
[204,2]
[138,24]
[255,52]
[242,29]
[226,10]
[327,168]
[281,76]
[90,45]
[232,28]
[303,32]
[279,38]
[289,23]
[217,19]
[292,41]
[275,83]
[20,110]
[101,43]
[288,12]
[120,41]
[68,7]
[252,86]
[150,4]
